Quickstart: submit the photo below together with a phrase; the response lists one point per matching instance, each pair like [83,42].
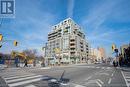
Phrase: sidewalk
[40,67]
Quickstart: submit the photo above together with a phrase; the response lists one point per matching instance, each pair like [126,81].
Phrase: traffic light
[0,46]
[15,43]
[1,37]
[113,47]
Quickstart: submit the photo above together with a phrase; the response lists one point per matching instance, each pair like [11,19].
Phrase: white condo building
[67,44]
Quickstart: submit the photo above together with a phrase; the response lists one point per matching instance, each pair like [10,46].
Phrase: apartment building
[67,43]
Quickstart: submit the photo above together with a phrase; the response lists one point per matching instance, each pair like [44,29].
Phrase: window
[65,43]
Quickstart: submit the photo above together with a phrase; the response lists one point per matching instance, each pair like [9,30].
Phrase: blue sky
[103,21]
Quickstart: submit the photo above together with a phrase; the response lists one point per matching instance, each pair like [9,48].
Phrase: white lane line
[7,78]
[19,79]
[30,86]
[127,84]
[88,78]
[97,67]
[109,81]
[98,84]
[128,77]
[112,74]
[128,80]
[24,82]
[103,67]
[108,68]
[12,75]
[79,86]
[45,68]
[100,81]
[103,74]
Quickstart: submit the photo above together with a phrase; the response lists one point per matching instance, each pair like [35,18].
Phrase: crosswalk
[126,75]
[21,78]
[97,67]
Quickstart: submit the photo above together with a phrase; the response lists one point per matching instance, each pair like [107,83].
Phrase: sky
[103,21]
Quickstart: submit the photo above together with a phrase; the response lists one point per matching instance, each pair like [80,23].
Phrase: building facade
[97,54]
[103,53]
[67,44]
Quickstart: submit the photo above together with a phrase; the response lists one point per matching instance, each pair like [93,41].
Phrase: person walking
[34,63]
[16,62]
[25,63]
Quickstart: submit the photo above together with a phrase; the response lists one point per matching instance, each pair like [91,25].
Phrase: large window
[65,43]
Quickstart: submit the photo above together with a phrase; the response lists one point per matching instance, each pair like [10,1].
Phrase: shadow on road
[57,82]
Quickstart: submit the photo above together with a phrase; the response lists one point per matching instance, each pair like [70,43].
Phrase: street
[83,75]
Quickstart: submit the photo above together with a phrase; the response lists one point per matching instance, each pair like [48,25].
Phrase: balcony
[72,46]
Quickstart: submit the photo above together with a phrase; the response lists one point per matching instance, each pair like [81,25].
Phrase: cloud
[70,9]
[98,14]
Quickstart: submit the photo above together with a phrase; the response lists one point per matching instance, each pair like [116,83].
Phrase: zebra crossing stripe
[97,67]
[30,86]
[20,79]
[128,84]
[128,77]
[12,74]
[24,82]
[7,78]
[128,80]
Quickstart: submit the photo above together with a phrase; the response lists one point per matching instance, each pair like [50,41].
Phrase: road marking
[100,81]
[24,82]
[20,79]
[128,80]
[108,68]
[45,68]
[103,67]
[88,78]
[97,81]
[79,86]
[113,73]
[30,86]
[128,77]
[7,78]
[109,81]
[98,84]
[127,84]
[102,74]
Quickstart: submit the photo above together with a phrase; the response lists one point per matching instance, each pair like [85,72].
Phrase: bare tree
[30,54]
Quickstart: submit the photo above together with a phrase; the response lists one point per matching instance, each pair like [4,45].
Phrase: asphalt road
[84,75]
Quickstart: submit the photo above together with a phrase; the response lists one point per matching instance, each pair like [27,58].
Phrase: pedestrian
[34,62]
[25,63]
[16,62]
[114,63]
[120,60]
